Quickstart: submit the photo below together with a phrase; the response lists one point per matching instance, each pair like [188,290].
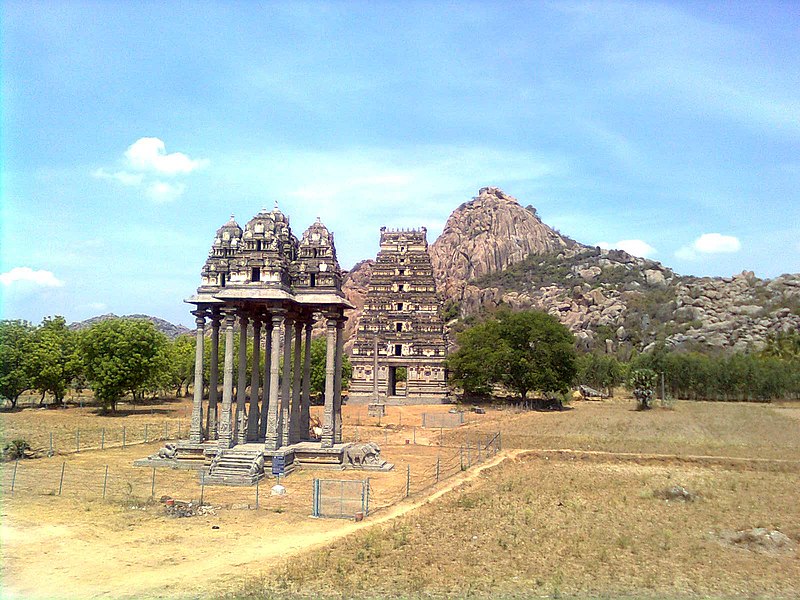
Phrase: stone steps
[233,468]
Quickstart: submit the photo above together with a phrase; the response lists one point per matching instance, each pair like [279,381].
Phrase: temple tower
[402,319]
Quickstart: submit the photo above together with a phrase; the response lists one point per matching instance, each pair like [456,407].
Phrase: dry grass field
[575,511]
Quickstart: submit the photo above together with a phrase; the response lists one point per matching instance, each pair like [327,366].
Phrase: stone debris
[177,509]
[760,539]
[677,492]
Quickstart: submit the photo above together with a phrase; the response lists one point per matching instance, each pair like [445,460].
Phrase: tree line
[115,358]
[531,351]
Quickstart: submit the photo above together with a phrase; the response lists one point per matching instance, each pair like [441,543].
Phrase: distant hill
[169,329]
[494,252]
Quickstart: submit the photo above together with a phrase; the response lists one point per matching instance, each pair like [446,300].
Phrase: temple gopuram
[270,287]
[401,333]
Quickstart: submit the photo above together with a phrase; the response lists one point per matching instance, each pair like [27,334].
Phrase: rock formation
[486,235]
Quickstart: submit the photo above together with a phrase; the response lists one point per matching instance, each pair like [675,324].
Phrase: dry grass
[552,528]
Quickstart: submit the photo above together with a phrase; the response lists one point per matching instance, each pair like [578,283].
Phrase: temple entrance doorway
[398,380]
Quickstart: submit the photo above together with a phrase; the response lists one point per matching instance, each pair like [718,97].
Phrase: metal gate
[341,498]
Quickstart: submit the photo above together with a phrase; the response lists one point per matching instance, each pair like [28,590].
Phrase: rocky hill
[494,252]
[169,329]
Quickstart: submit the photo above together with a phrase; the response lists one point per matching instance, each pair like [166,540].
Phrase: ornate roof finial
[276,205]
[319,220]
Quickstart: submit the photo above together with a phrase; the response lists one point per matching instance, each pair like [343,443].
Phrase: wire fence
[419,479]
[49,442]
[340,498]
[442,420]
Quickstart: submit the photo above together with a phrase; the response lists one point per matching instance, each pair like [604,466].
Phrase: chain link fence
[340,498]
[49,442]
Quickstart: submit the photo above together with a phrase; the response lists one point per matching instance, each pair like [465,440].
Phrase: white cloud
[635,247]
[123,177]
[162,192]
[150,154]
[40,277]
[716,243]
[709,243]
[149,160]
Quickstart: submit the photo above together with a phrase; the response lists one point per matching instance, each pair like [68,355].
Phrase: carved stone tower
[402,319]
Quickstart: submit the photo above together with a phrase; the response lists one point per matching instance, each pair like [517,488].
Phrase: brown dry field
[542,523]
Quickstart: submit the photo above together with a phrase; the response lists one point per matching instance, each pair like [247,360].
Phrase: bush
[16,449]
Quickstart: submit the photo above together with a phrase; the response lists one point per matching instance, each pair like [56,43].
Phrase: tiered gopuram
[402,321]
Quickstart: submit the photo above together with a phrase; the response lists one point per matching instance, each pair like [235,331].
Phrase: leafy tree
[643,382]
[180,352]
[783,345]
[600,371]
[523,351]
[15,339]
[319,353]
[54,360]
[122,356]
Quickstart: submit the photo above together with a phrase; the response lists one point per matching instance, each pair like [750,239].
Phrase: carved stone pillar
[225,431]
[241,383]
[213,381]
[265,389]
[330,370]
[287,374]
[337,387]
[252,413]
[196,427]
[296,428]
[273,435]
[305,407]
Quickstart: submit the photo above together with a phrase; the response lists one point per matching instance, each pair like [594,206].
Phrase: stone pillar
[375,391]
[213,381]
[287,374]
[265,389]
[225,431]
[241,384]
[296,428]
[252,413]
[196,427]
[330,369]
[305,408]
[273,435]
[337,382]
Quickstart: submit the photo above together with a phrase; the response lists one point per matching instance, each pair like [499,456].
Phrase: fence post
[103,438]
[366,507]
[415,434]
[77,440]
[145,433]
[315,498]
[461,455]
[437,469]
[469,455]
[123,436]
[153,485]
[105,482]
[408,480]
[257,481]
[202,486]
[61,481]
[14,476]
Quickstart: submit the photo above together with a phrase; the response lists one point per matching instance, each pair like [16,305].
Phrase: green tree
[180,352]
[643,382]
[15,340]
[122,356]
[54,360]
[601,371]
[523,351]
[319,353]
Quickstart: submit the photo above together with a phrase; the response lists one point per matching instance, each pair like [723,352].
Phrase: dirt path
[121,553]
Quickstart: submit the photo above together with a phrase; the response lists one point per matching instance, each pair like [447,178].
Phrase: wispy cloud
[26,275]
[147,159]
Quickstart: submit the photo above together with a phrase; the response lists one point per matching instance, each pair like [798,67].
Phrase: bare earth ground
[547,523]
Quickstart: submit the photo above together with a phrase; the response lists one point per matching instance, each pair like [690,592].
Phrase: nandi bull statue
[366,456]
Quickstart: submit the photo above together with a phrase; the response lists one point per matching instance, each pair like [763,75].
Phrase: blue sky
[132,130]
